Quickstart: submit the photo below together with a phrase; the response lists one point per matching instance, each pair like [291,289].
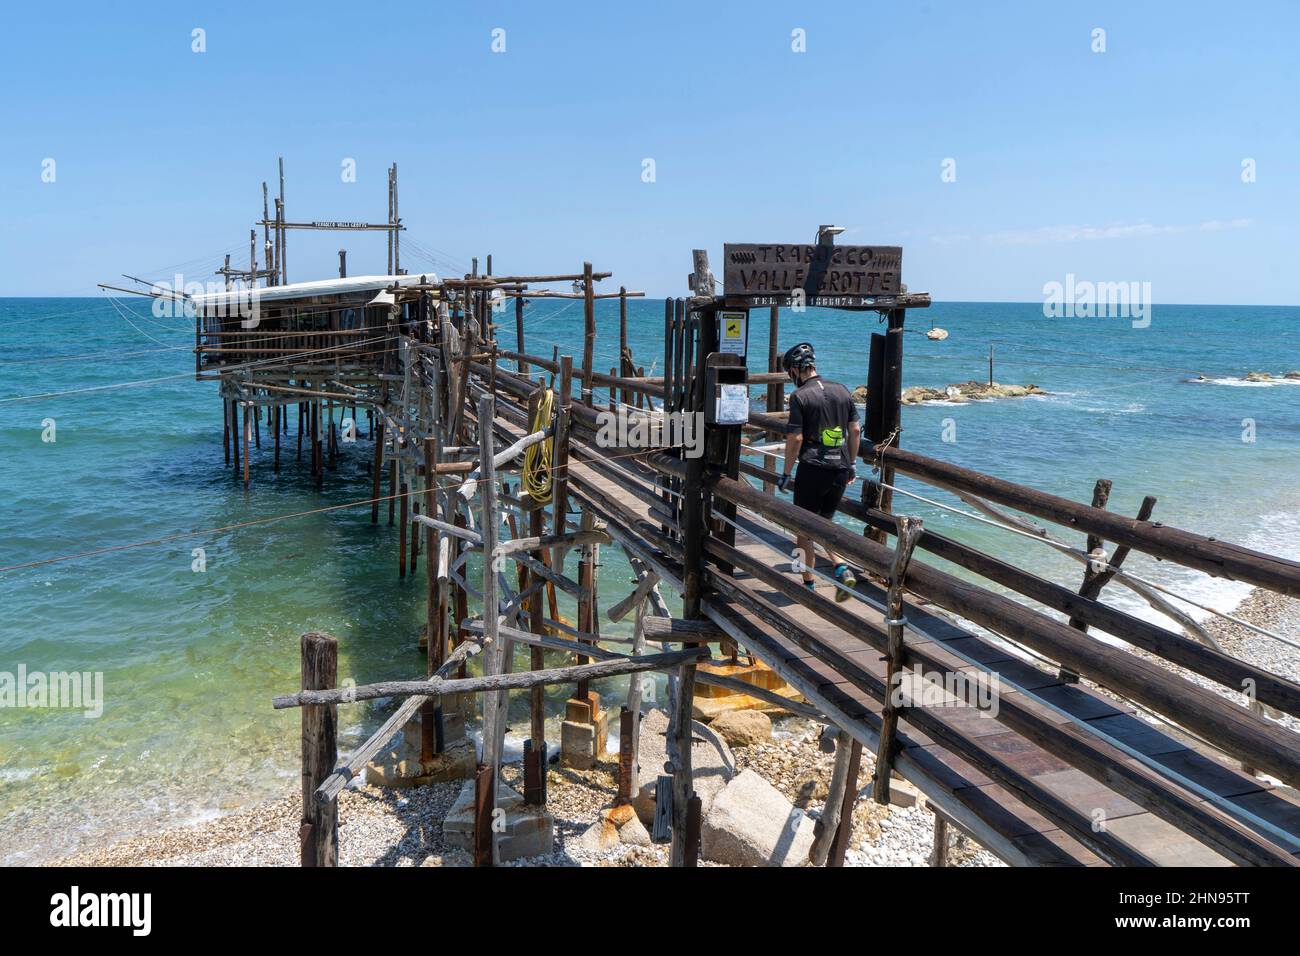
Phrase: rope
[537,458]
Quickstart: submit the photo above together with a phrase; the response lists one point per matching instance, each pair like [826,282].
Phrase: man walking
[822,435]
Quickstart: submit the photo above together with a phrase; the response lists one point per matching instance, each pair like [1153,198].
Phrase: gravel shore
[403,827]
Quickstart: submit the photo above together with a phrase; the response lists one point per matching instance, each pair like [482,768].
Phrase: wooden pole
[828,825]
[276,415]
[376,471]
[589,330]
[535,761]
[431,713]
[622,340]
[775,391]
[939,855]
[318,834]
[246,434]
[1100,495]
[225,429]
[494,703]
[909,529]
[519,334]
[844,831]
[235,432]
[392,488]
[560,460]
[403,523]
[680,758]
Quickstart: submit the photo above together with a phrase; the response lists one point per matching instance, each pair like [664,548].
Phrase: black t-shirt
[822,411]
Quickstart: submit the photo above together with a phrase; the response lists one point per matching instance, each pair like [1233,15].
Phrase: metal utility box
[726,389]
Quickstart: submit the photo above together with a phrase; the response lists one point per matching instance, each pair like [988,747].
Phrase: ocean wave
[1233,381]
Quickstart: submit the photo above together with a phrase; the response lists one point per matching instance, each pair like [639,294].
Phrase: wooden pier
[1020,725]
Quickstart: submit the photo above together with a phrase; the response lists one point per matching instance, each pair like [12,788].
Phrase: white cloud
[1057,234]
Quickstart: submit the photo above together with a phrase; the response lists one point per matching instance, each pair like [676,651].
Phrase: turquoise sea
[191,659]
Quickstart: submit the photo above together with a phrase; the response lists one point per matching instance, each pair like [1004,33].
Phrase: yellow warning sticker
[733,332]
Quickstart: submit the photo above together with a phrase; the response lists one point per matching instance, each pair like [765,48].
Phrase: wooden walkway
[957,789]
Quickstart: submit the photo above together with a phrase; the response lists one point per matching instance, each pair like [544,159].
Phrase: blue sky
[1117,166]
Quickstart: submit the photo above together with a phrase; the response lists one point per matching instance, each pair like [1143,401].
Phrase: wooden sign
[824,275]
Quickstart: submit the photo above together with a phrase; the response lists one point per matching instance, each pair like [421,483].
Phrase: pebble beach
[381,826]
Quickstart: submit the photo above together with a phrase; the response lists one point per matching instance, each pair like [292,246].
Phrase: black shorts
[819,489]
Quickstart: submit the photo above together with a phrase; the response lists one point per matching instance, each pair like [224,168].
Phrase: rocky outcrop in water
[971,391]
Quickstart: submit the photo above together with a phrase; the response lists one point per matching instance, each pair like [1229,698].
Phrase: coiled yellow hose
[537,458]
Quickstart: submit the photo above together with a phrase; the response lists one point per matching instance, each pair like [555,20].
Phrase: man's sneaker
[844,574]
[811,584]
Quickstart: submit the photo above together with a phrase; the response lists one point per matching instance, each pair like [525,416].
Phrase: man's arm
[855,439]
[793,442]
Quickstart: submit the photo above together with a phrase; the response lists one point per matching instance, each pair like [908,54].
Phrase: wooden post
[990,365]
[634,686]
[318,834]
[680,758]
[298,457]
[235,433]
[1100,495]
[845,830]
[318,445]
[375,472]
[401,533]
[589,330]
[828,826]
[939,855]
[332,437]
[392,486]
[276,415]
[519,333]
[626,760]
[588,622]
[775,391]
[495,703]
[560,460]
[622,341]
[535,760]
[431,712]
[909,530]
[225,429]
[246,431]
[484,803]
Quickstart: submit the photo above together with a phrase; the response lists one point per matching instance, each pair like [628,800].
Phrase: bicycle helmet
[798,356]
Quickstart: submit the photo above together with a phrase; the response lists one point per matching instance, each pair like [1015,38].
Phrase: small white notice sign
[733,404]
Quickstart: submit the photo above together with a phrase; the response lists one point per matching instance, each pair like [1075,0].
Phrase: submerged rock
[1258,377]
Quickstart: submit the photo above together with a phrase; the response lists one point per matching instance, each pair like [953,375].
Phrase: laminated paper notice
[733,404]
